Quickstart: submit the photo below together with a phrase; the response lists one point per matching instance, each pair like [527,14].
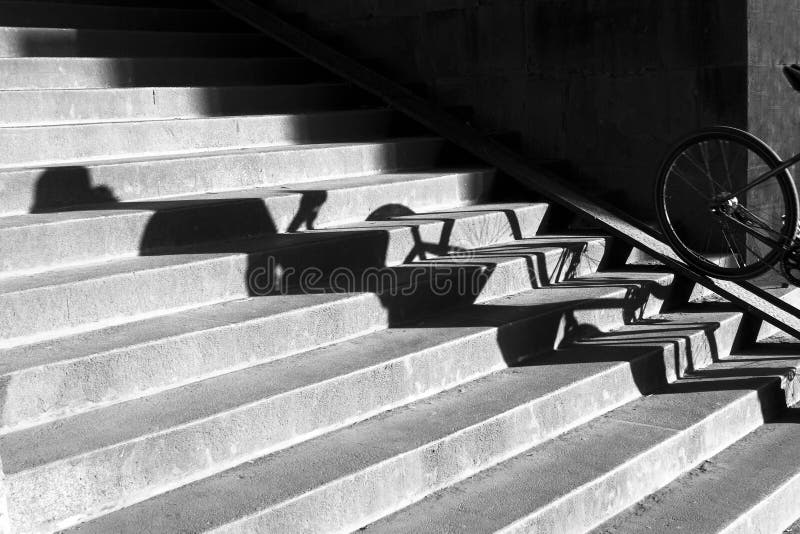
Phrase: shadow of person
[186,226]
[308,211]
[431,276]
[282,258]
[68,189]
[274,248]
[422,249]
[209,226]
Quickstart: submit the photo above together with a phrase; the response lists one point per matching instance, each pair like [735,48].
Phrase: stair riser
[426,289]
[130,233]
[391,485]
[125,297]
[33,108]
[52,189]
[172,459]
[53,42]
[79,143]
[537,270]
[44,393]
[704,348]
[595,503]
[88,73]
[62,15]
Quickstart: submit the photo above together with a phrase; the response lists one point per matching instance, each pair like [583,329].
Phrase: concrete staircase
[238,294]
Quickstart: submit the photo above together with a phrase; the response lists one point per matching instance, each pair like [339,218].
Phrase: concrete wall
[604,84]
[773,41]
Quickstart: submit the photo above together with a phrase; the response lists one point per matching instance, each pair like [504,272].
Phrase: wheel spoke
[701,169]
[725,163]
[707,166]
[733,247]
[690,184]
[749,230]
[759,222]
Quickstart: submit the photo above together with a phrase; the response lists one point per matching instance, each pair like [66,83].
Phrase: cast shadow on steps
[245,226]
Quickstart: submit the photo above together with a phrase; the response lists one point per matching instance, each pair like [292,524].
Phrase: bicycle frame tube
[782,242]
[764,177]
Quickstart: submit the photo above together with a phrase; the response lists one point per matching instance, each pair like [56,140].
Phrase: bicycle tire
[781,217]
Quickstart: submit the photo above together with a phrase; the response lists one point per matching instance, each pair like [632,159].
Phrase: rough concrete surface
[482,367]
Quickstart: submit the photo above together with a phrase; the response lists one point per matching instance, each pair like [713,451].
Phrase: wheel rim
[727,236]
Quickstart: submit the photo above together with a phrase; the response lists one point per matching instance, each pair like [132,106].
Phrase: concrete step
[771,282]
[121,291]
[35,108]
[120,363]
[49,189]
[37,242]
[752,487]
[92,73]
[83,143]
[789,295]
[342,480]
[66,42]
[263,409]
[583,477]
[116,17]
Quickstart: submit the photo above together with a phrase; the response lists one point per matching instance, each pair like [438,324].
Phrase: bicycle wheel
[732,238]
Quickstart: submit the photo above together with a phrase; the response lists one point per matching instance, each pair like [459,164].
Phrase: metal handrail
[536,178]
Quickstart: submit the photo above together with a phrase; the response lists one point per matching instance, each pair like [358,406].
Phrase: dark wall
[604,84]
[773,41]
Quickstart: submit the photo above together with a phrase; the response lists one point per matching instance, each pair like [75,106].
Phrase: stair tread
[83,235]
[50,442]
[119,364]
[23,190]
[36,107]
[241,247]
[190,120]
[513,490]
[601,444]
[89,297]
[184,136]
[135,483]
[132,208]
[180,88]
[725,488]
[70,73]
[461,212]
[219,153]
[158,328]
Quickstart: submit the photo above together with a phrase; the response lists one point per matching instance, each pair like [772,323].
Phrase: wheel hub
[722,205]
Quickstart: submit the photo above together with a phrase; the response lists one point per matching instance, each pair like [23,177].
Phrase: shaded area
[280,254]
[67,189]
